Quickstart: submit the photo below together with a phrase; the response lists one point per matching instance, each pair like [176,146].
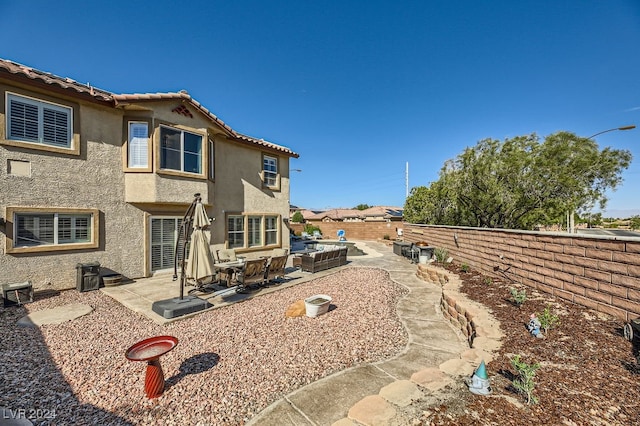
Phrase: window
[164,234]
[258,230]
[138,147]
[271,230]
[255,231]
[35,121]
[40,230]
[235,231]
[212,160]
[180,150]
[270,171]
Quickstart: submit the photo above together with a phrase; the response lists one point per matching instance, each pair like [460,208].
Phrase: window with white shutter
[36,121]
[138,155]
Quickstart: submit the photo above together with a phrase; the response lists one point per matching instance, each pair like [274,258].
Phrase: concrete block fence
[599,272]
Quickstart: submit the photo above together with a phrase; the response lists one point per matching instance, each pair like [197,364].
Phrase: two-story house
[87,175]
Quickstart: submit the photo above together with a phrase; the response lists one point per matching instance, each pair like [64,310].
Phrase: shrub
[441,254]
[518,296]
[386,237]
[547,319]
[310,229]
[464,267]
[524,382]
[487,280]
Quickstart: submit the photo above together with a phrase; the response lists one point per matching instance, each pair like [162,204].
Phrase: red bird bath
[151,350]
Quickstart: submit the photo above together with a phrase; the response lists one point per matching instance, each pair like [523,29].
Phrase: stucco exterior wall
[86,181]
[93,175]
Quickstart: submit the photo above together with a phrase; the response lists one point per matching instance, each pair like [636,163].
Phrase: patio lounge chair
[252,272]
[275,269]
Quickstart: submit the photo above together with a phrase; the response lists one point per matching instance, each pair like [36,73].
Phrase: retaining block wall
[602,273]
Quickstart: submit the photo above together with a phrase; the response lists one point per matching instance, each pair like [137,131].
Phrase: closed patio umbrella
[200,260]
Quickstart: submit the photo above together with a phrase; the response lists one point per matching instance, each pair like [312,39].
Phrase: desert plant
[441,254]
[524,381]
[487,280]
[464,267]
[548,320]
[518,296]
[386,237]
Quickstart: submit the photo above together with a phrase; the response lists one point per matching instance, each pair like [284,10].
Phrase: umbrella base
[176,307]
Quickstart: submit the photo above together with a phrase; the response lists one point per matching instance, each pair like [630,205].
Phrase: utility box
[88,277]
[17,294]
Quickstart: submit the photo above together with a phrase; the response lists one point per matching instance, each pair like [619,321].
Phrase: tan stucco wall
[238,188]
[95,179]
[92,180]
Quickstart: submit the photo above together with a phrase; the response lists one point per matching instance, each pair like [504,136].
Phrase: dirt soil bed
[589,373]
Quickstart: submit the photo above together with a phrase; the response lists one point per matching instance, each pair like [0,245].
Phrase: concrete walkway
[377,394]
[370,394]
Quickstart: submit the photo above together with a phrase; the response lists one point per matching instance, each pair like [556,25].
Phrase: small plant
[441,254]
[464,268]
[386,237]
[524,381]
[487,280]
[518,296]
[548,320]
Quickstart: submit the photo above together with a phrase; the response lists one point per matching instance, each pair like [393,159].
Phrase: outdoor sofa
[329,257]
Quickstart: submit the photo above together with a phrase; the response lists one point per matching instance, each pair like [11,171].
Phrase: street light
[631,127]
[570,219]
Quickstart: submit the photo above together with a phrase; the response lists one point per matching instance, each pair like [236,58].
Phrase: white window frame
[182,151]
[40,122]
[138,146]
[270,171]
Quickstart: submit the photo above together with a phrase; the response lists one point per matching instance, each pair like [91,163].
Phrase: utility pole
[406,180]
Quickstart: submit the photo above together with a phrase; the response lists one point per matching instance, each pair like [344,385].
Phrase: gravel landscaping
[230,363]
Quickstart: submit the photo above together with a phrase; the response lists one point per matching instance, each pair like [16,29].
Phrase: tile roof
[19,71]
[340,214]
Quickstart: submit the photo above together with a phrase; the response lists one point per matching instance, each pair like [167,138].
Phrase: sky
[360,88]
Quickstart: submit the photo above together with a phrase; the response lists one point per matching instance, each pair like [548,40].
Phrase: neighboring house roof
[383,211]
[336,214]
[18,71]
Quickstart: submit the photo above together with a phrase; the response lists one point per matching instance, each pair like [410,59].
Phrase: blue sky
[360,88]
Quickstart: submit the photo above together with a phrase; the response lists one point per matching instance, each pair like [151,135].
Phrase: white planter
[317,305]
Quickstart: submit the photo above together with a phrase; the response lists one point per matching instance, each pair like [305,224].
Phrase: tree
[297,217]
[519,183]
[362,207]
[634,222]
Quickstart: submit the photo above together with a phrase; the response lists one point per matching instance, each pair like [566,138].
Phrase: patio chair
[276,267]
[279,252]
[226,255]
[252,272]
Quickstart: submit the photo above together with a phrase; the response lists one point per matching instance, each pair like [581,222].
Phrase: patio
[140,295]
